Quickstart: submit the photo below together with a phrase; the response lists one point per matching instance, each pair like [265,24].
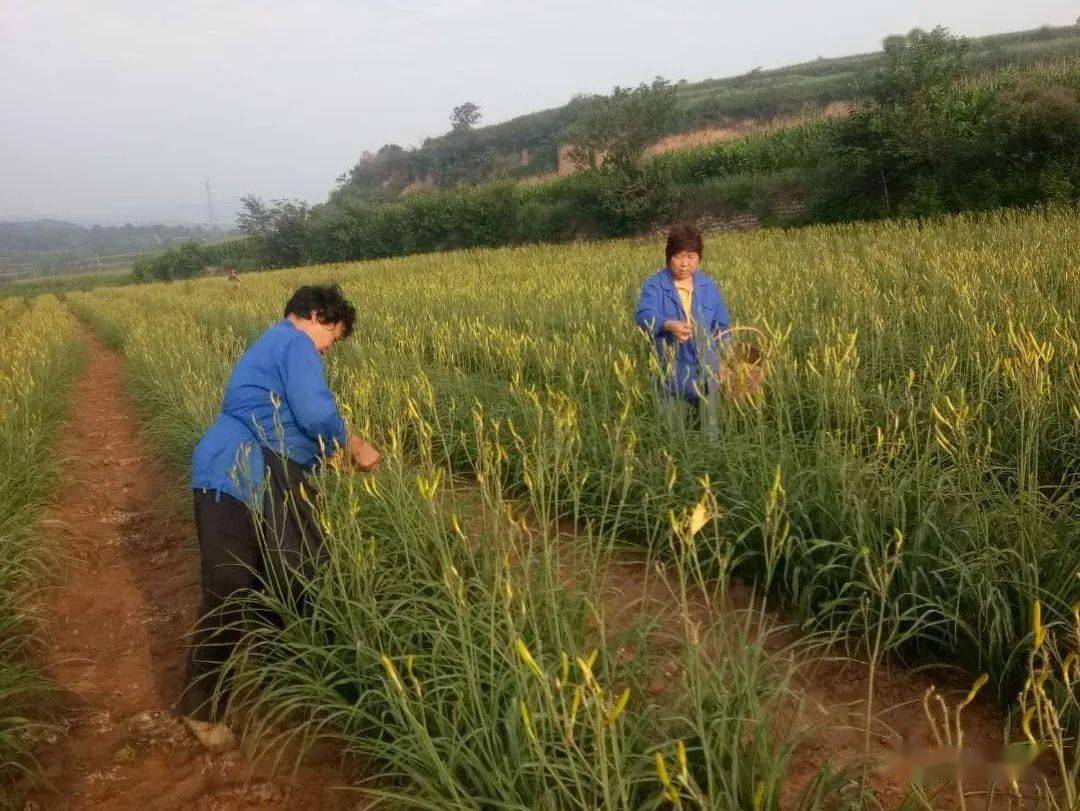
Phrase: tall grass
[442,642]
[758,154]
[36,368]
[60,285]
[907,482]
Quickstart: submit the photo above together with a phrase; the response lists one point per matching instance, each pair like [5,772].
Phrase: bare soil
[828,717]
[745,127]
[116,633]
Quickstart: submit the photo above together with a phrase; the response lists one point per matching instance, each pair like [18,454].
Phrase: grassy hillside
[947,142]
[528,145]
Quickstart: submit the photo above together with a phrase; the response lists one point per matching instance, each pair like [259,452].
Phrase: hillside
[529,145]
[928,136]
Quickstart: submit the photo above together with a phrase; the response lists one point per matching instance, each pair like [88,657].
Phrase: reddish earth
[126,596]
[827,714]
[829,694]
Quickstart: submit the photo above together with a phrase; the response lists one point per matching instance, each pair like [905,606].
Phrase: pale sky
[117,110]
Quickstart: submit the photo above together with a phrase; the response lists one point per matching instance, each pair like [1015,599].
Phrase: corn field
[37,364]
[904,486]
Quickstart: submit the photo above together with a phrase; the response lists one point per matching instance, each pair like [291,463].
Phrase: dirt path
[127,594]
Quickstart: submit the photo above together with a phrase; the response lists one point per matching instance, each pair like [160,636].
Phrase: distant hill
[28,237]
[529,145]
[48,246]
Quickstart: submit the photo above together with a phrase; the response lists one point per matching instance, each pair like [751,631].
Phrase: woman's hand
[362,455]
[682,331]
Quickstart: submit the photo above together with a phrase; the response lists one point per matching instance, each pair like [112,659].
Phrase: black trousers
[243,552]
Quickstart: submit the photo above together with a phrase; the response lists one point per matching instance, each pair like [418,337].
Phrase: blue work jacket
[690,367]
[276,397]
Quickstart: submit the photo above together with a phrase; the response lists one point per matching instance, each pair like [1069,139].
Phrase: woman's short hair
[684,237]
[325,303]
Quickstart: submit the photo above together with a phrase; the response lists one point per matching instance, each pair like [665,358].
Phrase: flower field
[905,486]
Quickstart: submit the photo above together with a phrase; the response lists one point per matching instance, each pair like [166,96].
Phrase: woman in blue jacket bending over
[683,310]
[252,495]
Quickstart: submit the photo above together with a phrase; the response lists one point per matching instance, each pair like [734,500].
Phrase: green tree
[612,134]
[919,65]
[928,143]
[378,175]
[617,129]
[182,262]
[894,147]
[464,117]
[282,227]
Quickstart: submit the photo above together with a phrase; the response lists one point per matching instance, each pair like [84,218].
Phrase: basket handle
[755,330]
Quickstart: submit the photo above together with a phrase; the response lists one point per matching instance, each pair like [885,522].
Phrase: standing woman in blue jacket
[683,310]
[252,493]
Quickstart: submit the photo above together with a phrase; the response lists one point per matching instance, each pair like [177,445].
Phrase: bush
[934,146]
[183,262]
[283,228]
[192,258]
[760,194]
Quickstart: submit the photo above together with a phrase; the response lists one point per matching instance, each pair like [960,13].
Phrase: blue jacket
[659,302]
[276,397]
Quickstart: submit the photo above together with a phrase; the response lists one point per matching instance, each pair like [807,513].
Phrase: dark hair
[684,237]
[324,303]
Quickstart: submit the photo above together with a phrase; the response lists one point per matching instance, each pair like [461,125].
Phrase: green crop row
[37,365]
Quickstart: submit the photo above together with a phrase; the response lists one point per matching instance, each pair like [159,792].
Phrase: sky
[119,110]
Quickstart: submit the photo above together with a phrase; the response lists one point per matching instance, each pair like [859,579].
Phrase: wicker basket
[744,367]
